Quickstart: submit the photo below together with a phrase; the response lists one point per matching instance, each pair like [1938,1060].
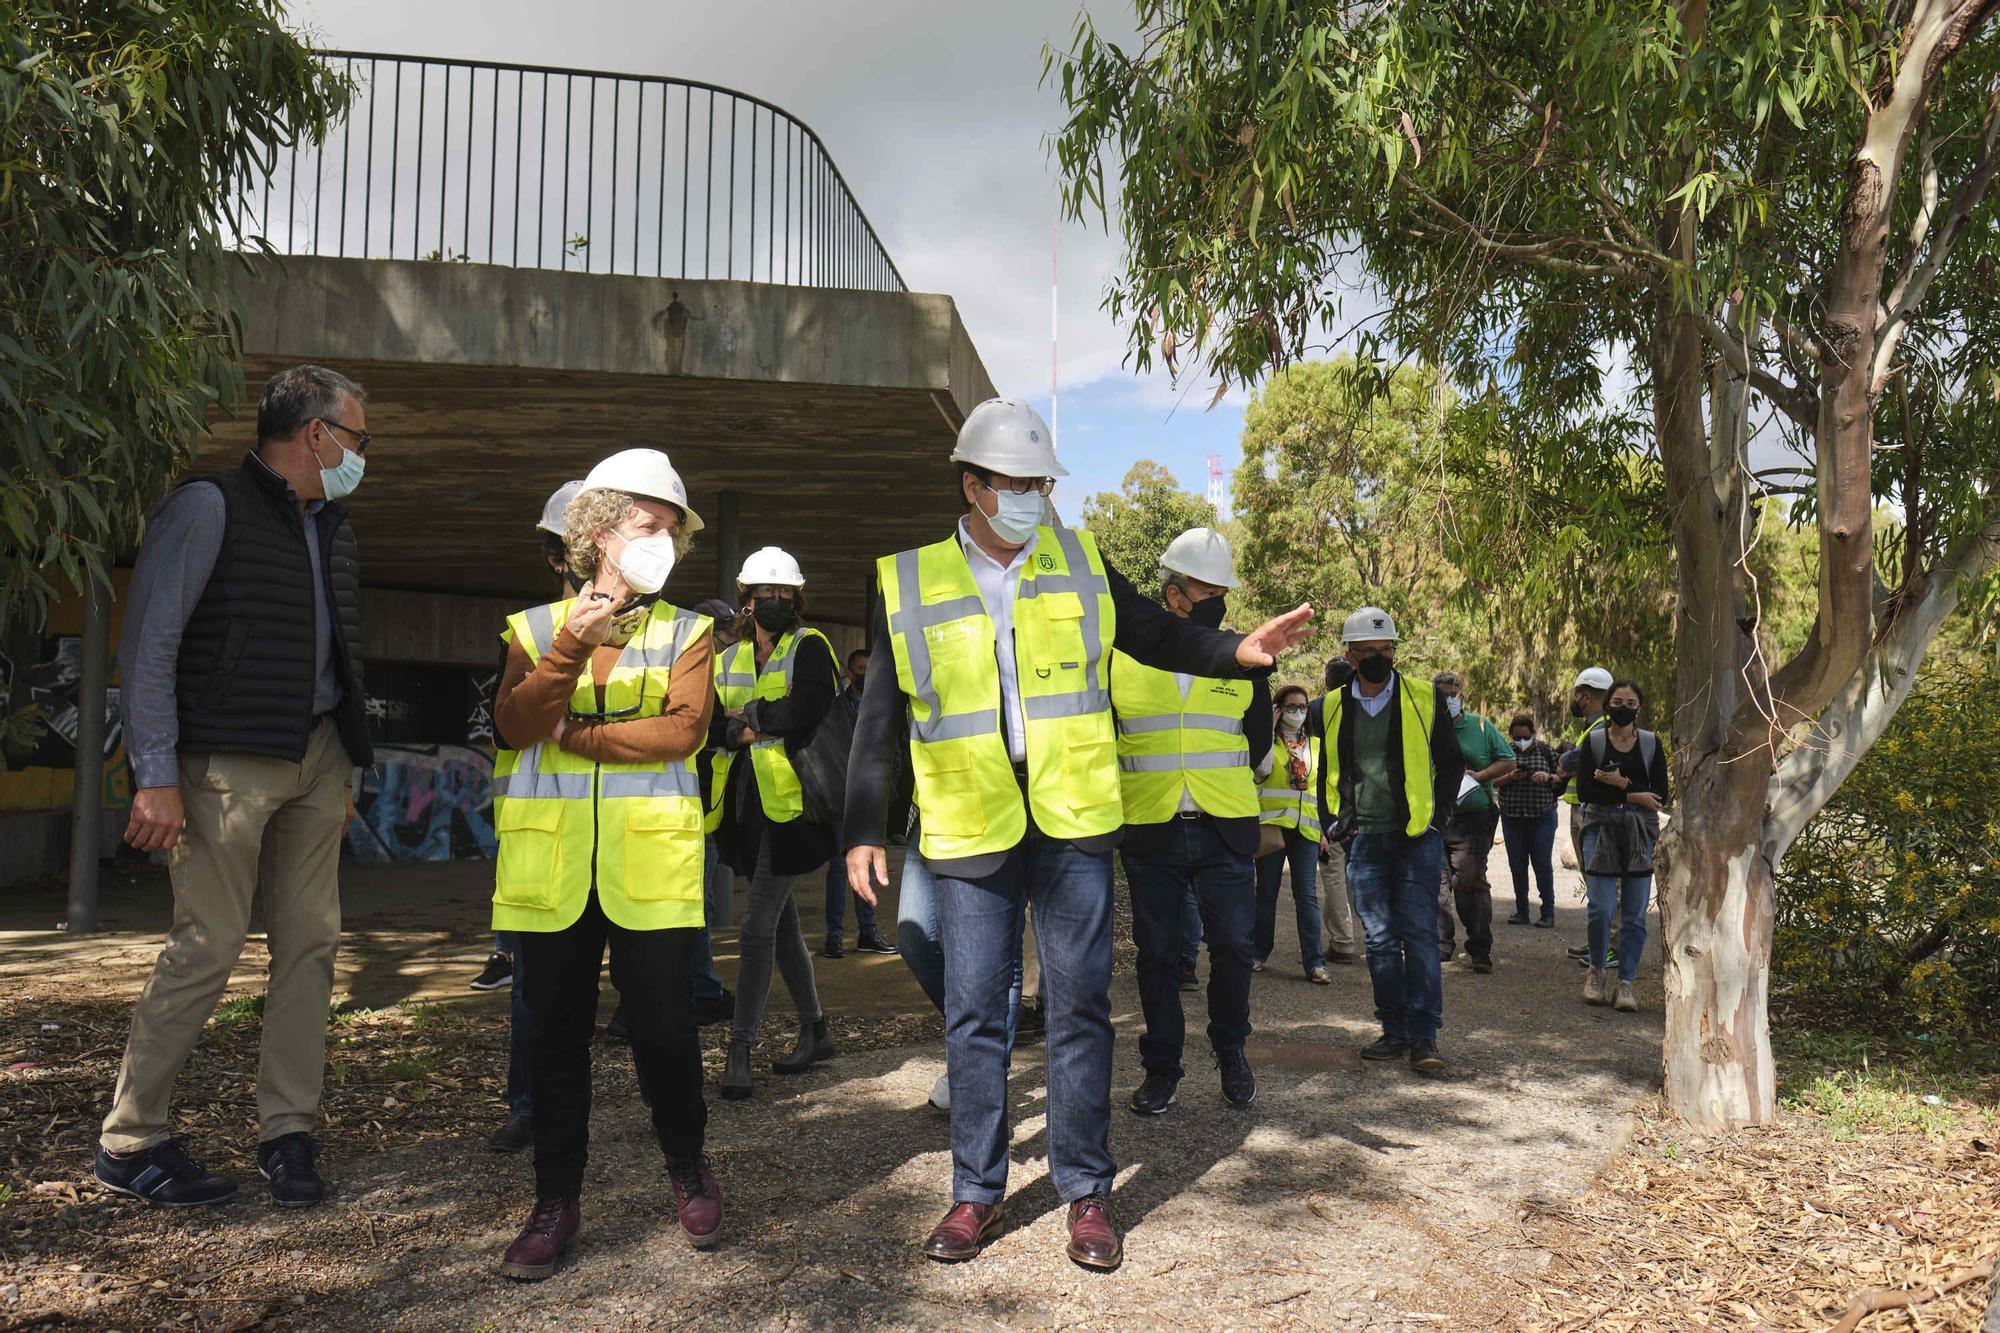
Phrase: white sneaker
[1593,987]
[941,1092]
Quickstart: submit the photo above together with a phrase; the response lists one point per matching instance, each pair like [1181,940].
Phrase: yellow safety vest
[1418,775]
[968,798]
[737,682]
[1569,794]
[1284,806]
[568,825]
[1167,744]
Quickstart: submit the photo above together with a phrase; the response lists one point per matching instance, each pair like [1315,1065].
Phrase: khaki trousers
[250,820]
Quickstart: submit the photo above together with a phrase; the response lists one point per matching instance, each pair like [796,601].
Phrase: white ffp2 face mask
[1017,517]
[1294,718]
[646,562]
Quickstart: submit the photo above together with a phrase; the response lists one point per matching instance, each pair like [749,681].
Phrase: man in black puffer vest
[241,685]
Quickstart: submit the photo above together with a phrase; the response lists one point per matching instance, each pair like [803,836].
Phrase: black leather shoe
[1520,917]
[715,1008]
[1156,1094]
[834,948]
[814,1045]
[1424,1057]
[618,1029]
[1190,979]
[287,1162]
[516,1134]
[162,1174]
[1239,1085]
[1386,1047]
[736,1084]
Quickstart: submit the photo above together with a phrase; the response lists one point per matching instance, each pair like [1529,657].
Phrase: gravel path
[1347,1196]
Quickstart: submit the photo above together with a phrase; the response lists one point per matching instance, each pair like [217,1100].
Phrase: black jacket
[1150,634]
[1238,835]
[1447,763]
[246,671]
[800,845]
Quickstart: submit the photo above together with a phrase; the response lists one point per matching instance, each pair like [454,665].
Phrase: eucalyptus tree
[1777,209]
[126,126]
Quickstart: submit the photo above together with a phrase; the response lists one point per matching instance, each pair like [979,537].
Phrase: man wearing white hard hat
[602,709]
[1391,775]
[776,686]
[1001,637]
[1586,705]
[1188,746]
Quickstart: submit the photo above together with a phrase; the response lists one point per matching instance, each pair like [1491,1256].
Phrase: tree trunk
[1716,910]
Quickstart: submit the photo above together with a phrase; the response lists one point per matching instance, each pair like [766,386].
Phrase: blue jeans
[1531,842]
[1303,855]
[1193,860]
[980,921]
[1623,896]
[837,894]
[715,911]
[1190,928]
[922,944]
[1395,884]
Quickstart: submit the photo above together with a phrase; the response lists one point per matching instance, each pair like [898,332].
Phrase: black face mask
[1622,716]
[775,614]
[1209,614]
[1575,708]
[1375,669]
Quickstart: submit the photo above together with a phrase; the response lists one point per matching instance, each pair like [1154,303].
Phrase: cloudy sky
[936,116]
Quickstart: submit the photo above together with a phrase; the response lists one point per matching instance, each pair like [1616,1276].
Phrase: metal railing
[528,166]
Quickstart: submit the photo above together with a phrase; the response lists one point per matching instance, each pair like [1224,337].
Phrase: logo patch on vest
[1048,561]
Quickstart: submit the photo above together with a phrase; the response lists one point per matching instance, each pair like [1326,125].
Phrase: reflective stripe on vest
[567,825]
[1418,788]
[1169,744]
[1280,802]
[1569,794]
[944,645]
[737,683]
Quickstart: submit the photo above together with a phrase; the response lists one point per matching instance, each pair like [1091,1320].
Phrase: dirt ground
[1347,1196]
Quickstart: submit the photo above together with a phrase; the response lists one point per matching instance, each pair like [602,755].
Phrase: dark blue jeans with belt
[1394,878]
[979,924]
[1193,859]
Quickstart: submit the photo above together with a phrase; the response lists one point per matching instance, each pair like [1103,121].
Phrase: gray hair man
[242,692]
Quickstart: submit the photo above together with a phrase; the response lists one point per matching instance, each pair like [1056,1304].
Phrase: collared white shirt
[997,584]
[1373,707]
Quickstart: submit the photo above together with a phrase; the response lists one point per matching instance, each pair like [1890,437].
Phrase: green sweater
[1376,809]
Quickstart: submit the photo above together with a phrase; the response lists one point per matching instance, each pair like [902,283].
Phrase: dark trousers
[1531,843]
[1194,860]
[1468,842]
[837,894]
[656,968]
[1302,853]
[979,923]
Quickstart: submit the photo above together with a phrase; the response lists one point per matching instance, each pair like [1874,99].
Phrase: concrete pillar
[728,559]
[87,831]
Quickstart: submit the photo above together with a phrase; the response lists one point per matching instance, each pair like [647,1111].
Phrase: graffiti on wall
[425,803]
[38,744]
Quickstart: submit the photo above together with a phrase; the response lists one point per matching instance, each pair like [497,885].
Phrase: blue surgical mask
[340,481]
[1454,705]
[1017,517]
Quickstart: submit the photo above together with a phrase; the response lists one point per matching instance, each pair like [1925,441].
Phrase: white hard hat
[645,473]
[1592,678]
[1368,624]
[1201,553]
[772,564]
[1006,436]
[552,512]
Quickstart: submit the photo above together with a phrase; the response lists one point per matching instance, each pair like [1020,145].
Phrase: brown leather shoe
[1093,1241]
[551,1230]
[964,1229]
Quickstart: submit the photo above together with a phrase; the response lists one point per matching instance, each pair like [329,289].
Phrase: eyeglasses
[361,437]
[1020,485]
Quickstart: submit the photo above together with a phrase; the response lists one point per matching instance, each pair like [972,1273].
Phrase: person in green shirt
[1468,834]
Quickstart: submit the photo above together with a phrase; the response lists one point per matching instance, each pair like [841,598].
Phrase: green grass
[409,1068]
[242,1009]
[428,1016]
[1865,1083]
[6,1195]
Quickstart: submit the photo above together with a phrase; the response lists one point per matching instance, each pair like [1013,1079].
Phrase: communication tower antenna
[1217,496]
